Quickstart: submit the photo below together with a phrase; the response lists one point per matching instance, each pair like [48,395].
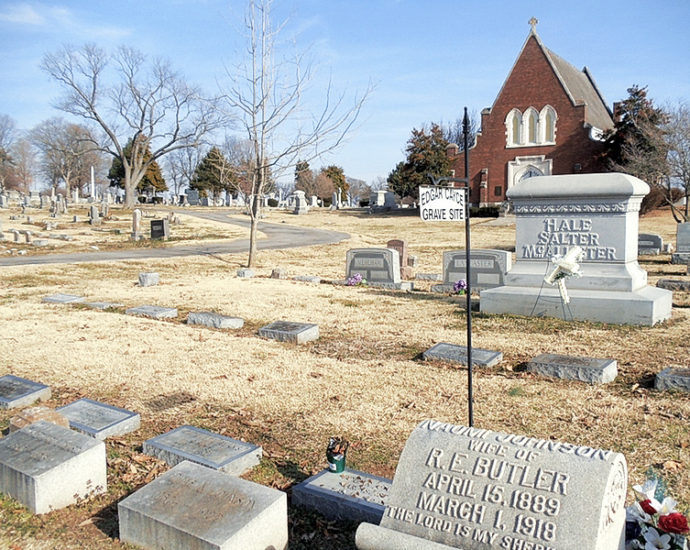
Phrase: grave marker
[191,506]
[649,244]
[214,320]
[401,247]
[100,420]
[488,268]
[474,489]
[155,312]
[136,225]
[458,354]
[347,496]
[63,299]
[20,392]
[47,467]
[673,378]
[34,414]
[585,369]
[598,213]
[149,279]
[286,331]
[379,266]
[682,253]
[206,448]
[160,229]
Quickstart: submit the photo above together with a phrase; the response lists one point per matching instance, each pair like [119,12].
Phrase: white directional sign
[442,204]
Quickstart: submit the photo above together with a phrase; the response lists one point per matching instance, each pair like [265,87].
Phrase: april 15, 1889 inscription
[473,489]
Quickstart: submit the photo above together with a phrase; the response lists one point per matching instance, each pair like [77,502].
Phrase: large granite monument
[599,213]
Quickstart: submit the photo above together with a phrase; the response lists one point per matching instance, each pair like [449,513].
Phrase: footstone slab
[286,331]
[206,448]
[100,420]
[474,489]
[20,392]
[673,378]
[194,507]
[458,354]
[308,279]
[155,312]
[568,367]
[348,496]
[213,320]
[47,467]
[103,305]
[245,273]
[63,299]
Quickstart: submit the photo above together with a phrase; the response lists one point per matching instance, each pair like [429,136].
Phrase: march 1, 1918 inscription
[474,489]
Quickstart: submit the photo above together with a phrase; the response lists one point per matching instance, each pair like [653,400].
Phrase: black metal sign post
[466,189]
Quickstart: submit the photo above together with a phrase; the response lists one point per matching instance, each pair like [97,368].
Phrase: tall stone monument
[599,213]
[300,203]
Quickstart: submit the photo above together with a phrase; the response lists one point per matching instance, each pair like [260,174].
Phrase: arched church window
[548,126]
[514,127]
[531,122]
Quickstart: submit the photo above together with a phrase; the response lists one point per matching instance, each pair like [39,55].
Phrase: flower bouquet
[355,280]
[652,523]
[460,286]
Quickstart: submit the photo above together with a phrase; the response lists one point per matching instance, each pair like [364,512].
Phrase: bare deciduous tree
[148,103]
[24,161]
[67,152]
[7,133]
[266,94]
[180,166]
[677,136]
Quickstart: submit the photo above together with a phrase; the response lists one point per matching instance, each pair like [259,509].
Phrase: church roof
[578,85]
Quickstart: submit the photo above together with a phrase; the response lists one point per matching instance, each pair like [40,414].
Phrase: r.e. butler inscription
[560,234]
[472,489]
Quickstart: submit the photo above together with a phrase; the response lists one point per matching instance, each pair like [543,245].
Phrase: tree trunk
[254,224]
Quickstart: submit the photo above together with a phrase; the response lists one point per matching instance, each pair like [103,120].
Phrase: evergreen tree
[214,174]
[636,143]
[153,178]
[426,154]
[337,176]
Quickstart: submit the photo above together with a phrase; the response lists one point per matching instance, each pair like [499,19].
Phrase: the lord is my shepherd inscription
[475,489]
[376,265]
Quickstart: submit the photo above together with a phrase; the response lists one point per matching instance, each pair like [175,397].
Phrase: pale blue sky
[428,58]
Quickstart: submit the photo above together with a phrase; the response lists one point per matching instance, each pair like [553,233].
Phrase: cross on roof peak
[533,23]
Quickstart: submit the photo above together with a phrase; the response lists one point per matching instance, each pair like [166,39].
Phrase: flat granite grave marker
[347,496]
[100,420]
[63,299]
[191,506]
[458,354]
[206,448]
[46,467]
[103,305]
[155,312]
[585,369]
[20,392]
[673,378]
[469,488]
[213,320]
[286,331]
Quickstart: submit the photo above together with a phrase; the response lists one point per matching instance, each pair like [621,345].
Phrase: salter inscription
[471,488]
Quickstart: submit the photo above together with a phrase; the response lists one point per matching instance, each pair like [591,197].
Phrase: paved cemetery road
[277,236]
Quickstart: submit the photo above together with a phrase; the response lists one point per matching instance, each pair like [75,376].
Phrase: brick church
[547,119]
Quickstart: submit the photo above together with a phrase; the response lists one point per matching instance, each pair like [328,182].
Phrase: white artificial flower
[635,512]
[654,541]
[647,490]
[668,506]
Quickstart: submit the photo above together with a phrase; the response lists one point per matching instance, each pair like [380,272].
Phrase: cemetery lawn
[362,379]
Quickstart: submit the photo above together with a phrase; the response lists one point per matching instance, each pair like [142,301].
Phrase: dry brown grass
[362,379]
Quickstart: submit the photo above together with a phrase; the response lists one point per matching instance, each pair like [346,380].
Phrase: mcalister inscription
[475,489]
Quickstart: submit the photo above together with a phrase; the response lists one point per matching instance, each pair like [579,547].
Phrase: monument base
[646,306]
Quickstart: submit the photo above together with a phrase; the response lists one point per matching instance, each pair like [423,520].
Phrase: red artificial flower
[674,523]
[646,505]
